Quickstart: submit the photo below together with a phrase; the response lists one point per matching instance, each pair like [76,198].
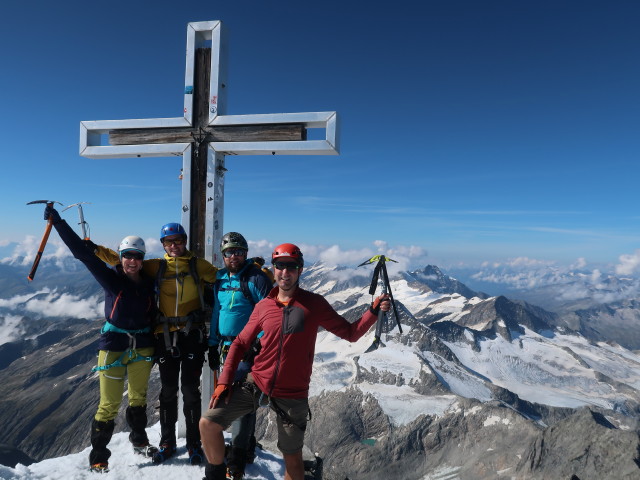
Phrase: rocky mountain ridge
[476,387]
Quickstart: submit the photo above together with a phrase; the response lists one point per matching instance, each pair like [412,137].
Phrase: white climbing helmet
[132,243]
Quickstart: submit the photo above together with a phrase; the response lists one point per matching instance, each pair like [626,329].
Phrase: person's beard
[235,269]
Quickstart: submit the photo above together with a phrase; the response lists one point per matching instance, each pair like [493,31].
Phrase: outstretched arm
[103,274]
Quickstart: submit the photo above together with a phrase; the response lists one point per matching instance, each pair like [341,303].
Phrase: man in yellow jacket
[181,340]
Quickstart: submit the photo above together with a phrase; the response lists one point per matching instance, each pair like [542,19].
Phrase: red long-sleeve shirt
[283,367]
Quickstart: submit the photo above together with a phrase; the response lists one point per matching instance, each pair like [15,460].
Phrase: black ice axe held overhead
[82,223]
[381,268]
[45,237]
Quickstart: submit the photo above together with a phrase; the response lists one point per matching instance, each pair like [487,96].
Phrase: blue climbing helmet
[172,229]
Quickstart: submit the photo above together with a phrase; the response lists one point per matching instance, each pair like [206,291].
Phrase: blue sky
[470,130]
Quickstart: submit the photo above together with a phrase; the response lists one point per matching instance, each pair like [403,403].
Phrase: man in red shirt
[289,317]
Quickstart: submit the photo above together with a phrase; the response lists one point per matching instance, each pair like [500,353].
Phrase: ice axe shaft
[45,237]
[380,323]
[82,223]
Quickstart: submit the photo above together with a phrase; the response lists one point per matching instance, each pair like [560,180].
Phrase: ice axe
[82,223]
[381,267]
[45,237]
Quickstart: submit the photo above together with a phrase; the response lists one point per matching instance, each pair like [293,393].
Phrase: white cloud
[629,263]
[66,305]
[13,302]
[24,252]
[334,255]
[579,263]
[10,328]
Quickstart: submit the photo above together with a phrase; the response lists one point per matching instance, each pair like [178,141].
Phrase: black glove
[50,212]
[90,245]
[214,357]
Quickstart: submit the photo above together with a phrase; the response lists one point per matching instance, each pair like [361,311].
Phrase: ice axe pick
[45,237]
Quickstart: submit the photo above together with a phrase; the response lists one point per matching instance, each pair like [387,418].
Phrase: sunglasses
[175,241]
[238,253]
[292,267]
[133,255]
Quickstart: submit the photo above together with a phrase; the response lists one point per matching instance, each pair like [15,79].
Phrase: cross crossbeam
[204,135]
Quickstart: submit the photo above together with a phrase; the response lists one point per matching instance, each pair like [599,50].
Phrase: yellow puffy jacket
[178,292]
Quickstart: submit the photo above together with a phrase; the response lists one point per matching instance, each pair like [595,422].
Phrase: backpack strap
[193,270]
[162,267]
[244,284]
[254,270]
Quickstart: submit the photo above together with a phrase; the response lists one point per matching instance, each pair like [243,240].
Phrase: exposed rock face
[585,445]
[437,281]
[357,440]
[50,395]
[10,456]
[618,322]
[502,316]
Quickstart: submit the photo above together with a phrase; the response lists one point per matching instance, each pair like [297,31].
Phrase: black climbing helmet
[233,240]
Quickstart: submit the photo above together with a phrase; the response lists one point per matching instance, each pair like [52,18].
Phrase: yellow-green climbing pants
[112,381]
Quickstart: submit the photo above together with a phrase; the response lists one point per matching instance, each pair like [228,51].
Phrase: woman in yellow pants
[126,342]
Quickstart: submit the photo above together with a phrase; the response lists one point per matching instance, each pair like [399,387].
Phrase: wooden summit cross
[203,136]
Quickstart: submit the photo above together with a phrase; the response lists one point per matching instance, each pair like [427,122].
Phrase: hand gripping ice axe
[386,288]
[82,223]
[45,237]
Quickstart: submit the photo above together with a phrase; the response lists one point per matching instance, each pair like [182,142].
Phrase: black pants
[181,368]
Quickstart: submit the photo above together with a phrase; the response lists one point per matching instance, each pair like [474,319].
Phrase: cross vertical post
[203,136]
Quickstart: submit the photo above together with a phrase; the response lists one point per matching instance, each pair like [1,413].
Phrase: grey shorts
[247,398]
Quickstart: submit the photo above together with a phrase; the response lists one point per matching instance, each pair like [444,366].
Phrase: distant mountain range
[477,386]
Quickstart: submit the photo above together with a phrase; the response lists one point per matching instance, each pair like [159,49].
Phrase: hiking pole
[386,288]
[82,223]
[45,237]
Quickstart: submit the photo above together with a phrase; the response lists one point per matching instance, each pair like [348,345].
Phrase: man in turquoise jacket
[239,286]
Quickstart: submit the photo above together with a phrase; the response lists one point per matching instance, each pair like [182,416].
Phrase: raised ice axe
[82,223]
[386,288]
[45,237]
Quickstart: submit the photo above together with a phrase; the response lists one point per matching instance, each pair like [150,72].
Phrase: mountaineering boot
[101,433]
[215,472]
[137,421]
[237,475]
[237,461]
[196,455]
[99,468]
[168,420]
[251,451]
[145,450]
[164,452]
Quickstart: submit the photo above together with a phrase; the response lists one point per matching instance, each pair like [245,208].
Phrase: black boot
[101,433]
[237,461]
[215,472]
[137,421]
[251,452]
[168,419]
